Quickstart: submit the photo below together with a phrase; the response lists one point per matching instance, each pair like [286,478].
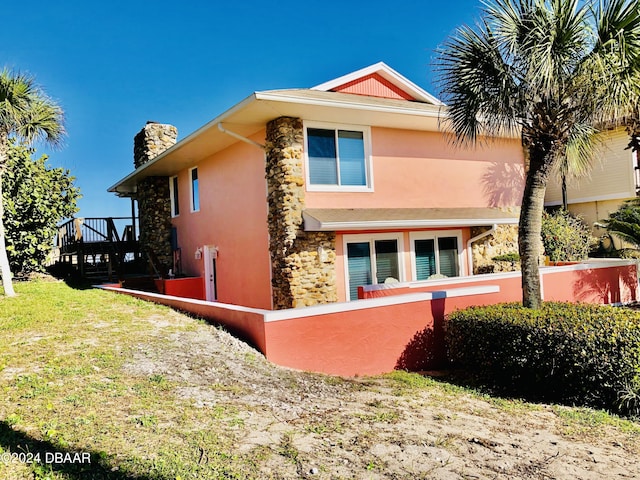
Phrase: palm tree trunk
[5,269]
[530,228]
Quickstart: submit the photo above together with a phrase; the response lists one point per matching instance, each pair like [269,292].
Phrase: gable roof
[378,80]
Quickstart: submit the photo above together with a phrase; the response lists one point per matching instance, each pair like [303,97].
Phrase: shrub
[507,257]
[36,197]
[565,238]
[575,353]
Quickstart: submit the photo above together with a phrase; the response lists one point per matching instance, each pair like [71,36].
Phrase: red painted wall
[192,287]
[596,282]
[360,342]
[509,284]
[592,285]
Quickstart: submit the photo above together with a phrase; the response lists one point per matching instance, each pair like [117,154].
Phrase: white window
[195,190]
[337,157]
[436,253]
[371,260]
[173,194]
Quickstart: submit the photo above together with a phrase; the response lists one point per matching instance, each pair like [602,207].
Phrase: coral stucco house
[297,197]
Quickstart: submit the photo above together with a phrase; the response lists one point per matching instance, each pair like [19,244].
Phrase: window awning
[337,219]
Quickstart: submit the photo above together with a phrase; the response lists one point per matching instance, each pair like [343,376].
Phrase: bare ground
[373,428]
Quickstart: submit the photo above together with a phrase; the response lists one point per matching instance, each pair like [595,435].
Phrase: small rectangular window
[173,192]
[195,191]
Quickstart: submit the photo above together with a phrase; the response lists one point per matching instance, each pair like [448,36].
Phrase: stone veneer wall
[504,240]
[154,202]
[302,263]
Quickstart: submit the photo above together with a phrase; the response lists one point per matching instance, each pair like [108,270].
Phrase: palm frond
[479,86]
[26,112]
[44,121]
[614,63]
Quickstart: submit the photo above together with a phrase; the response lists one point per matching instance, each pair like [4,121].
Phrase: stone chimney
[154,202]
[152,140]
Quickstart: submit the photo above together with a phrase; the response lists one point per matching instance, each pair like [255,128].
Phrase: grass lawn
[100,385]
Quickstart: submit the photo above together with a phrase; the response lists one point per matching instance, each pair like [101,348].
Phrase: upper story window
[173,193]
[337,158]
[195,190]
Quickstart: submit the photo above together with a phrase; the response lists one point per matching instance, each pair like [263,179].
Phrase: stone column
[154,202]
[303,263]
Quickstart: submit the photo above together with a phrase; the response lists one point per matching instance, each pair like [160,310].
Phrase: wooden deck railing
[95,241]
[92,230]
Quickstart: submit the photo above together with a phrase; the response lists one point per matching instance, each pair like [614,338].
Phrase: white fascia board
[312,225]
[276,96]
[189,138]
[385,71]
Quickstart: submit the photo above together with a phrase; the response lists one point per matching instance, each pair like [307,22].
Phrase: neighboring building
[296,197]
[612,180]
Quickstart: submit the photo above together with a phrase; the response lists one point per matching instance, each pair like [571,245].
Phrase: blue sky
[114,65]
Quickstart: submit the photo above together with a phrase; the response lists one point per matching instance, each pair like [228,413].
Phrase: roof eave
[411,108]
[185,141]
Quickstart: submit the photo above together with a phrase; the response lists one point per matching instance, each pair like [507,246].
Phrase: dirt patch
[328,427]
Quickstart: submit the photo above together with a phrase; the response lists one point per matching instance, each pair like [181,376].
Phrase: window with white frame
[173,193]
[337,157]
[195,190]
[371,260]
[436,253]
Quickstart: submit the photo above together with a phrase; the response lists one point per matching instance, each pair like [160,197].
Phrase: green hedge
[573,353]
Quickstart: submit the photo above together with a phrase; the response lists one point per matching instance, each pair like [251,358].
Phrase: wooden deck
[95,248]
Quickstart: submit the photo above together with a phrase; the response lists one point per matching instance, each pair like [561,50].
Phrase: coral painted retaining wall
[191,287]
[398,326]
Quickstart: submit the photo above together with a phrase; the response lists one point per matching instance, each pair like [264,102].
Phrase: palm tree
[551,72]
[28,115]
